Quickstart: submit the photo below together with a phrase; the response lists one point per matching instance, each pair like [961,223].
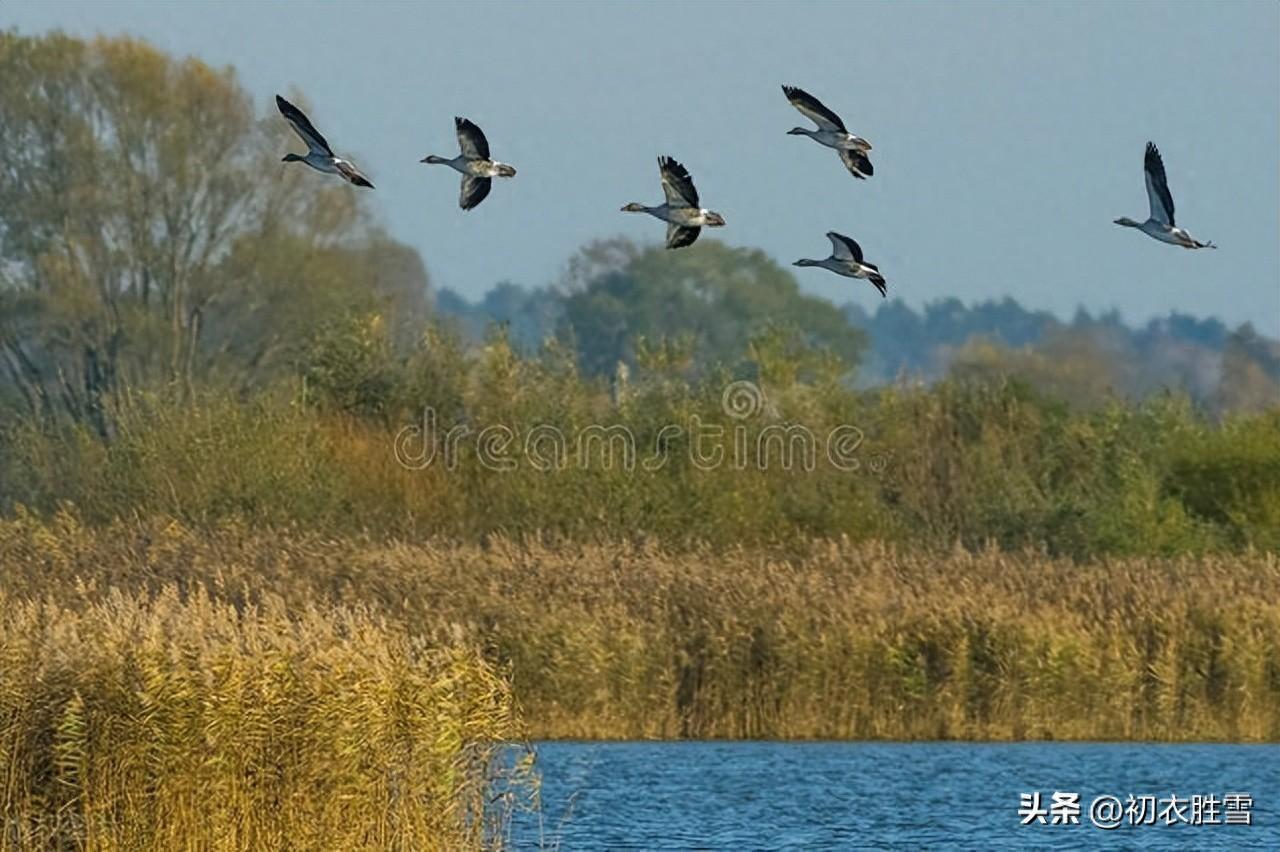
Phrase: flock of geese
[681,209]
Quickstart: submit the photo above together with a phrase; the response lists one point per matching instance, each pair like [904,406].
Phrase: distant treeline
[1086,359]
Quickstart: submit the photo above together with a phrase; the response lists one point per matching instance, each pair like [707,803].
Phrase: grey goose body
[319,155]
[474,162]
[846,259]
[1160,224]
[830,132]
[681,211]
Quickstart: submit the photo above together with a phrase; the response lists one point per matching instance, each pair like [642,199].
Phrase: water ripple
[812,796]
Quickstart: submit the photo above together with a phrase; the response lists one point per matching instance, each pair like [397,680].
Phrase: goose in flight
[846,259]
[320,156]
[831,132]
[478,171]
[1160,223]
[680,211]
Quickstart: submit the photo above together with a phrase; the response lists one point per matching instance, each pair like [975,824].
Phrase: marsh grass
[632,639]
[141,716]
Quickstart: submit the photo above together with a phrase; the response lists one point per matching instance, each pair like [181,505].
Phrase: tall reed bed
[138,720]
[836,639]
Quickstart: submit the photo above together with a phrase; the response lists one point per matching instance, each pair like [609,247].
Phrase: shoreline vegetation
[165,720]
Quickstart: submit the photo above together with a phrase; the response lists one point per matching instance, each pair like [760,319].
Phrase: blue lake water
[767,795]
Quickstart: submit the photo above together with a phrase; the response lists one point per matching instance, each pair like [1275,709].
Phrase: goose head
[634,207]
[797,131]
[291,158]
[1127,222]
[714,219]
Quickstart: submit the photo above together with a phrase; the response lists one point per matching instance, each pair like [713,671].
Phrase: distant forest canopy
[1086,360]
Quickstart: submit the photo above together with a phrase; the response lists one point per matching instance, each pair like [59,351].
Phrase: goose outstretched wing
[676,184]
[679,236]
[844,248]
[856,162]
[877,279]
[1157,186]
[471,140]
[303,127]
[813,109]
[474,190]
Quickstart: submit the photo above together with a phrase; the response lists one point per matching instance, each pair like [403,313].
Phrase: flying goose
[831,132]
[1160,223]
[320,156]
[680,211]
[846,259]
[477,169]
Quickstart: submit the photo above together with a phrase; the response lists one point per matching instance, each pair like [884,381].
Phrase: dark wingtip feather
[674,166]
[1152,156]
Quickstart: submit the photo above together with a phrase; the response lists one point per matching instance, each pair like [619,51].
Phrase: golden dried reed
[173,719]
[838,640]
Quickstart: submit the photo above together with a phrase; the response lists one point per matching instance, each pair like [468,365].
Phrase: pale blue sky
[1007,135]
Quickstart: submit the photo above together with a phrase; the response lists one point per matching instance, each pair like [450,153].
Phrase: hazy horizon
[1007,137]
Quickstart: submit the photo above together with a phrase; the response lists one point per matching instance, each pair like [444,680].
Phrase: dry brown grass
[844,641]
[152,718]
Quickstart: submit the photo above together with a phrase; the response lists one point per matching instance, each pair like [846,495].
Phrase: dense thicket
[362,443]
